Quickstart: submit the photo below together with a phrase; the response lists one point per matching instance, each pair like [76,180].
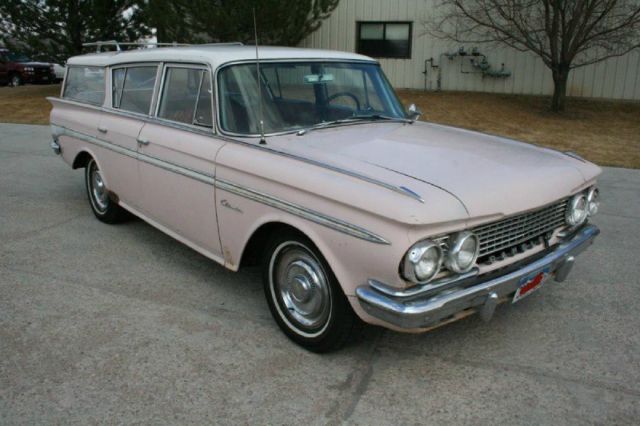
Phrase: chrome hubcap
[98,190]
[300,287]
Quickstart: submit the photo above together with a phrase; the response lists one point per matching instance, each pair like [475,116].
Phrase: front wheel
[304,296]
[102,206]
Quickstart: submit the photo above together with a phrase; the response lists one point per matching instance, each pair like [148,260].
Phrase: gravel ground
[122,324]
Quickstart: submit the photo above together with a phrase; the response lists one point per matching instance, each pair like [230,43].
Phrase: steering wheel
[348,95]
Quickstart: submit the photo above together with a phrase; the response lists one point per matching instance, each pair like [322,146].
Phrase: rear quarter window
[85,84]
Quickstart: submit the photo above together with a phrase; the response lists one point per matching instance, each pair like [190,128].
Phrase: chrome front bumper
[421,307]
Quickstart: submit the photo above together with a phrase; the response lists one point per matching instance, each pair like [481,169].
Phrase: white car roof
[215,55]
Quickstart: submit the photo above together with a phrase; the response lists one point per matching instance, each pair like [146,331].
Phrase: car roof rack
[142,44]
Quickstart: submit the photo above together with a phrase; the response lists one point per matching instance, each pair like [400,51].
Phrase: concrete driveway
[116,324]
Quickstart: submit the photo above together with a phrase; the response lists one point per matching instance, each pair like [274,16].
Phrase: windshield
[18,57]
[298,95]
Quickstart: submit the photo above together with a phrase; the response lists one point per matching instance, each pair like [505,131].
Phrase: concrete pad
[123,324]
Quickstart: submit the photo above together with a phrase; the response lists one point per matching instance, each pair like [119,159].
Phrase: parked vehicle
[355,210]
[17,69]
[58,72]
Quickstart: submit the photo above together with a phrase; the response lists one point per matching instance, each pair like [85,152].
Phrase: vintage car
[356,210]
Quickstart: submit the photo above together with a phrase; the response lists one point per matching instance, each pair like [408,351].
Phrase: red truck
[17,69]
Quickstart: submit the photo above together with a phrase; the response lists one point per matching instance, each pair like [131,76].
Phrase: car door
[177,158]
[132,92]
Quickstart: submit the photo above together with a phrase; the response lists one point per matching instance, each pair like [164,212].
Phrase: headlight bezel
[413,257]
[452,262]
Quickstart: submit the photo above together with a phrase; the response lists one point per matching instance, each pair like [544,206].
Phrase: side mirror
[414,112]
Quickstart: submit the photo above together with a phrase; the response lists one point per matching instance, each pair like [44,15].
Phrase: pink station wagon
[356,211]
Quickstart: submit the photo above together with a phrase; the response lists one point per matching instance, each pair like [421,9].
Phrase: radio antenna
[263,141]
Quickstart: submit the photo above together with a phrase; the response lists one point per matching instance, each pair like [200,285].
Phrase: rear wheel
[102,206]
[304,296]
[15,80]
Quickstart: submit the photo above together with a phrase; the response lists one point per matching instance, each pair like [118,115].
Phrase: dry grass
[607,133]
[26,104]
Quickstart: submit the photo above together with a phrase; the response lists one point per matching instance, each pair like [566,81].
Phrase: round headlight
[593,201]
[577,210]
[463,253]
[422,261]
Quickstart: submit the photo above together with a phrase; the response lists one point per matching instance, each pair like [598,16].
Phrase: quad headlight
[463,252]
[581,206]
[593,201]
[578,210]
[422,262]
[424,259]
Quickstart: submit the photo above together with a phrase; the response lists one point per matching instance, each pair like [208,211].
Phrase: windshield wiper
[353,119]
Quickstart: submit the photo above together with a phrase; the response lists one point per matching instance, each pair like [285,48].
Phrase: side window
[133,88]
[186,96]
[85,84]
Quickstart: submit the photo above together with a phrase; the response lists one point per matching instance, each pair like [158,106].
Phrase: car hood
[489,175]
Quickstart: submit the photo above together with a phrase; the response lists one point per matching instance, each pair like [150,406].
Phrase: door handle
[102,129]
[143,141]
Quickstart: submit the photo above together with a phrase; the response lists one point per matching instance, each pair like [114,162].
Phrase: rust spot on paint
[228,259]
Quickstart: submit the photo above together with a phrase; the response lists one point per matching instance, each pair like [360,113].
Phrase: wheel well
[258,241]
[81,160]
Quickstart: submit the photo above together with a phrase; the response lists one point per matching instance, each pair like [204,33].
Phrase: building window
[385,39]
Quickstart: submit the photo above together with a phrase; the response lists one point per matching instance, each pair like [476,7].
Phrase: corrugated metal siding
[617,78]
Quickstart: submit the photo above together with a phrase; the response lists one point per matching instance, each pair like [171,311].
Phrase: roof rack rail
[118,45]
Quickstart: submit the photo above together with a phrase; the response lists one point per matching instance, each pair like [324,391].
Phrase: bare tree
[565,34]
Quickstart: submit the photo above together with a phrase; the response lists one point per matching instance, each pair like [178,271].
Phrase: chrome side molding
[243,191]
[303,212]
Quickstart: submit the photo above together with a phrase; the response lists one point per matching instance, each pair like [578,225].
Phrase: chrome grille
[507,233]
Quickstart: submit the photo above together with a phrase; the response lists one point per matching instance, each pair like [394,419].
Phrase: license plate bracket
[530,283]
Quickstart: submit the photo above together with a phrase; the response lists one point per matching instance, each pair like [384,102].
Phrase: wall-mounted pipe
[426,71]
[482,66]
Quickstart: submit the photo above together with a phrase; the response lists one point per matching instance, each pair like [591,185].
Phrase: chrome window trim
[64,81]
[397,189]
[243,191]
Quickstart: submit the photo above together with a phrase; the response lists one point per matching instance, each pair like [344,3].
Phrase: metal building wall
[617,78]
